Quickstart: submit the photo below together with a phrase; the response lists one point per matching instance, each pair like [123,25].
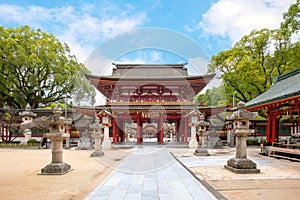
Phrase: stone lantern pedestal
[241,164]
[105,117]
[27,136]
[27,120]
[202,132]
[106,144]
[98,150]
[193,142]
[85,141]
[56,125]
[96,133]
[193,116]
[57,166]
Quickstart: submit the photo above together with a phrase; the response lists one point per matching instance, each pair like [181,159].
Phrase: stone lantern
[230,136]
[105,117]
[240,119]
[202,132]
[96,133]
[56,125]
[193,120]
[27,119]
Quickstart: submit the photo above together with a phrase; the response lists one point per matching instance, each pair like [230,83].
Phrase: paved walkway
[150,173]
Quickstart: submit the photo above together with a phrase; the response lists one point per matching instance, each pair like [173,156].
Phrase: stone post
[106,118]
[27,135]
[106,144]
[193,142]
[193,117]
[202,132]
[68,143]
[56,124]
[96,133]
[27,119]
[85,141]
[241,164]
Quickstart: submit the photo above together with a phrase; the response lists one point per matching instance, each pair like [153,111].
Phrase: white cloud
[116,25]
[142,56]
[233,19]
[80,28]
[138,58]
[156,56]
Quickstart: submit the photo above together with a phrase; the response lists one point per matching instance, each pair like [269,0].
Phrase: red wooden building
[148,93]
[282,100]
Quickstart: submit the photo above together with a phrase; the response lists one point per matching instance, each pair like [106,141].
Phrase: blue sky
[85,24]
[191,30]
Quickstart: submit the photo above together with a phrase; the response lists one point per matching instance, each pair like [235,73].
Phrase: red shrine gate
[145,93]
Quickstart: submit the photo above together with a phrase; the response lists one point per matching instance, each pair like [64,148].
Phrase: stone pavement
[219,161]
[278,178]
[150,173]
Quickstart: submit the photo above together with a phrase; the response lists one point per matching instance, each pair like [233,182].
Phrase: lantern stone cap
[57,118]
[105,112]
[242,113]
[96,125]
[27,112]
[57,110]
[195,112]
[202,122]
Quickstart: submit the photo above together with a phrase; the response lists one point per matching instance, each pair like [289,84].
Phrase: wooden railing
[287,151]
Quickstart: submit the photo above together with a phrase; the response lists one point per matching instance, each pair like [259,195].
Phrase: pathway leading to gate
[150,173]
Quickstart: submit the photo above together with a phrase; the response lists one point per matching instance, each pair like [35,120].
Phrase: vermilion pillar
[185,130]
[275,128]
[178,130]
[118,130]
[122,132]
[161,130]
[272,128]
[138,130]
[269,125]
[115,131]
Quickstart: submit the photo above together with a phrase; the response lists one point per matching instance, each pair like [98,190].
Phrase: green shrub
[15,142]
[32,141]
[253,141]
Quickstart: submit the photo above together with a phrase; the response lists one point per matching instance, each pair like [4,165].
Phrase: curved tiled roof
[285,86]
[149,71]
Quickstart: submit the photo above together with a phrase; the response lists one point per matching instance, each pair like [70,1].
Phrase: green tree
[291,19]
[37,68]
[212,97]
[249,67]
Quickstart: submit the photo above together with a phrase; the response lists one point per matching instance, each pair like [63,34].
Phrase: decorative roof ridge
[145,65]
[182,76]
[287,75]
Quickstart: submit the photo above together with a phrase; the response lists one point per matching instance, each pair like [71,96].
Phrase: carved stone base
[106,144]
[193,144]
[97,154]
[241,166]
[85,145]
[56,169]
[201,152]
[27,136]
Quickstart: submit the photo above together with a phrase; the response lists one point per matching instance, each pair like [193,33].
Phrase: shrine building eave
[207,77]
[284,91]
[208,110]
[105,83]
